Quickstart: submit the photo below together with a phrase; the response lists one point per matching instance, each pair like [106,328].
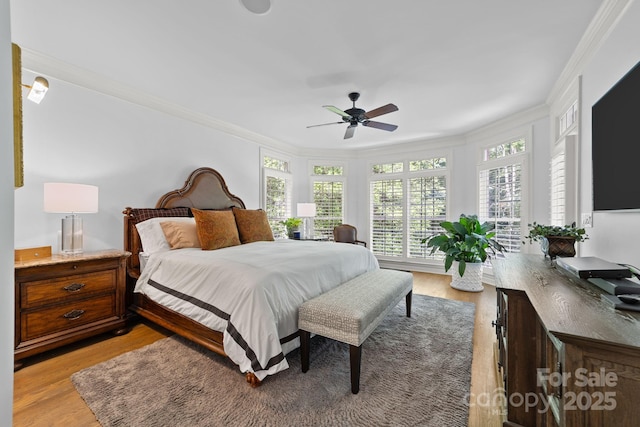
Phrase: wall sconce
[72,199]
[37,90]
[307,211]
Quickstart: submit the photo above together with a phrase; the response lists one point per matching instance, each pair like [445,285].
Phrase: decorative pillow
[180,234]
[253,225]
[143,214]
[216,229]
[151,235]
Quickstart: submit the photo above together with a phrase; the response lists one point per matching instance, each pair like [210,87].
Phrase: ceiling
[450,66]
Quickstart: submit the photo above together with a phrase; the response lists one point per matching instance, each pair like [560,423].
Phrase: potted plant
[465,244]
[556,240]
[291,224]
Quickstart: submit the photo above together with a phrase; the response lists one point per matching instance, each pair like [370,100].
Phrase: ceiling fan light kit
[355,116]
[259,7]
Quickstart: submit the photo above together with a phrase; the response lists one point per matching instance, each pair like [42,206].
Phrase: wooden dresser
[567,358]
[64,298]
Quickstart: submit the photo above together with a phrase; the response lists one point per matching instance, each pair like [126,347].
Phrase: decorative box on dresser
[61,299]
[567,358]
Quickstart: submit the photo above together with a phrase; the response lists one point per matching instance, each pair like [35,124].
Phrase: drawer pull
[74,287]
[73,314]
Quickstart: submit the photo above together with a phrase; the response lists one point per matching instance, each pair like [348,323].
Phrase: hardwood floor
[45,396]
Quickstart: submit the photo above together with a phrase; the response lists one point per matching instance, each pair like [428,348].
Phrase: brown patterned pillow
[180,234]
[253,225]
[216,229]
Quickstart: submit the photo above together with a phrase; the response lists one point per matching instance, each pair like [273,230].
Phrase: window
[328,184]
[408,202]
[568,118]
[387,217]
[427,209]
[563,181]
[501,183]
[557,189]
[277,190]
[563,178]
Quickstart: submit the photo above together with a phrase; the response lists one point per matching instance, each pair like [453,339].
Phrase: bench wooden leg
[355,356]
[408,302]
[305,338]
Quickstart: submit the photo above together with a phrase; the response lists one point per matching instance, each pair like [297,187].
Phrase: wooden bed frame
[204,189]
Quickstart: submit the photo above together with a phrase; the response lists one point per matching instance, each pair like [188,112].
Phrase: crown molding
[38,63]
[605,20]
[507,124]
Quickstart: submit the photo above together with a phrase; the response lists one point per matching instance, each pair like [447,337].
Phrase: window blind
[387,211]
[427,209]
[501,201]
[328,197]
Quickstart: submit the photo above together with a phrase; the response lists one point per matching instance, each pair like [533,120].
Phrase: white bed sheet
[251,292]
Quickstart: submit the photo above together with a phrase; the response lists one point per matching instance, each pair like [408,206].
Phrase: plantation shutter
[427,209]
[558,195]
[563,182]
[387,210]
[500,202]
[328,197]
[278,199]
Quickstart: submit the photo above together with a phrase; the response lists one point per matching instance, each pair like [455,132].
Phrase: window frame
[405,176]
[313,178]
[287,176]
[522,158]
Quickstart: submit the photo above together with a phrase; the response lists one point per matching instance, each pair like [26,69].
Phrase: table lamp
[307,211]
[71,199]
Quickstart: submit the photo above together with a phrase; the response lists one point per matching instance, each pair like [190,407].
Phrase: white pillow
[151,234]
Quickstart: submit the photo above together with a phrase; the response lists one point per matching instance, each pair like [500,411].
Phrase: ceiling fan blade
[336,110]
[325,124]
[379,125]
[389,108]
[349,133]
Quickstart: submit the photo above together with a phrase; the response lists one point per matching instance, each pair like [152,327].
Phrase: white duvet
[251,292]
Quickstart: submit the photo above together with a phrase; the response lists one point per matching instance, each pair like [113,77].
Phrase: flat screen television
[615,151]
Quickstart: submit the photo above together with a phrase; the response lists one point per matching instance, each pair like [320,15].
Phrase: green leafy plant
[291,223]
[538,231]
[465,240]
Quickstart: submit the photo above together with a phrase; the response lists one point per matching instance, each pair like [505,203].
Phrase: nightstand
[64,298]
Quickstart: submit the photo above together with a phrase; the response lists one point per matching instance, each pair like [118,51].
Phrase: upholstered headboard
[204,189]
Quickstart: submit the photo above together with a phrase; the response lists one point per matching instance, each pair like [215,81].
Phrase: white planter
[472,279]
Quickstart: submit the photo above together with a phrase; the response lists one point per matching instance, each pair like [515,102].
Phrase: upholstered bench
[350,313]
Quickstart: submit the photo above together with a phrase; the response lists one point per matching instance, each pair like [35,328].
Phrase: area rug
[415,372]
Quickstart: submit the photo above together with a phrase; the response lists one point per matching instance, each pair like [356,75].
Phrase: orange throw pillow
[253,225]
[216,229]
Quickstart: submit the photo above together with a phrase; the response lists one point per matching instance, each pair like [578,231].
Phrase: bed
[240,300]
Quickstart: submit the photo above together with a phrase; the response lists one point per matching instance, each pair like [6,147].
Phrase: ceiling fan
[354,115]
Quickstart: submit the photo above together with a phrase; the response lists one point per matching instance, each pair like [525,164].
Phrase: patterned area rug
[415,372]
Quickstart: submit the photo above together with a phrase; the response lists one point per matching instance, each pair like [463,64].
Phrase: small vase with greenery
[556,240]
[292,225]
[466,241]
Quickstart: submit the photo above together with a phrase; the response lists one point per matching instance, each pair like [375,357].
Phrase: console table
[567,358]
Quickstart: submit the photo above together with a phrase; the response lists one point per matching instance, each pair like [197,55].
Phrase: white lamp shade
[306,210]
[70,198]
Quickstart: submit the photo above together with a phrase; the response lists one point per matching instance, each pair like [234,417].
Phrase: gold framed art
[18,165]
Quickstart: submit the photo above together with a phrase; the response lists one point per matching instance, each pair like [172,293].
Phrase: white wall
[614,236]
[133,154]
[6,219]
